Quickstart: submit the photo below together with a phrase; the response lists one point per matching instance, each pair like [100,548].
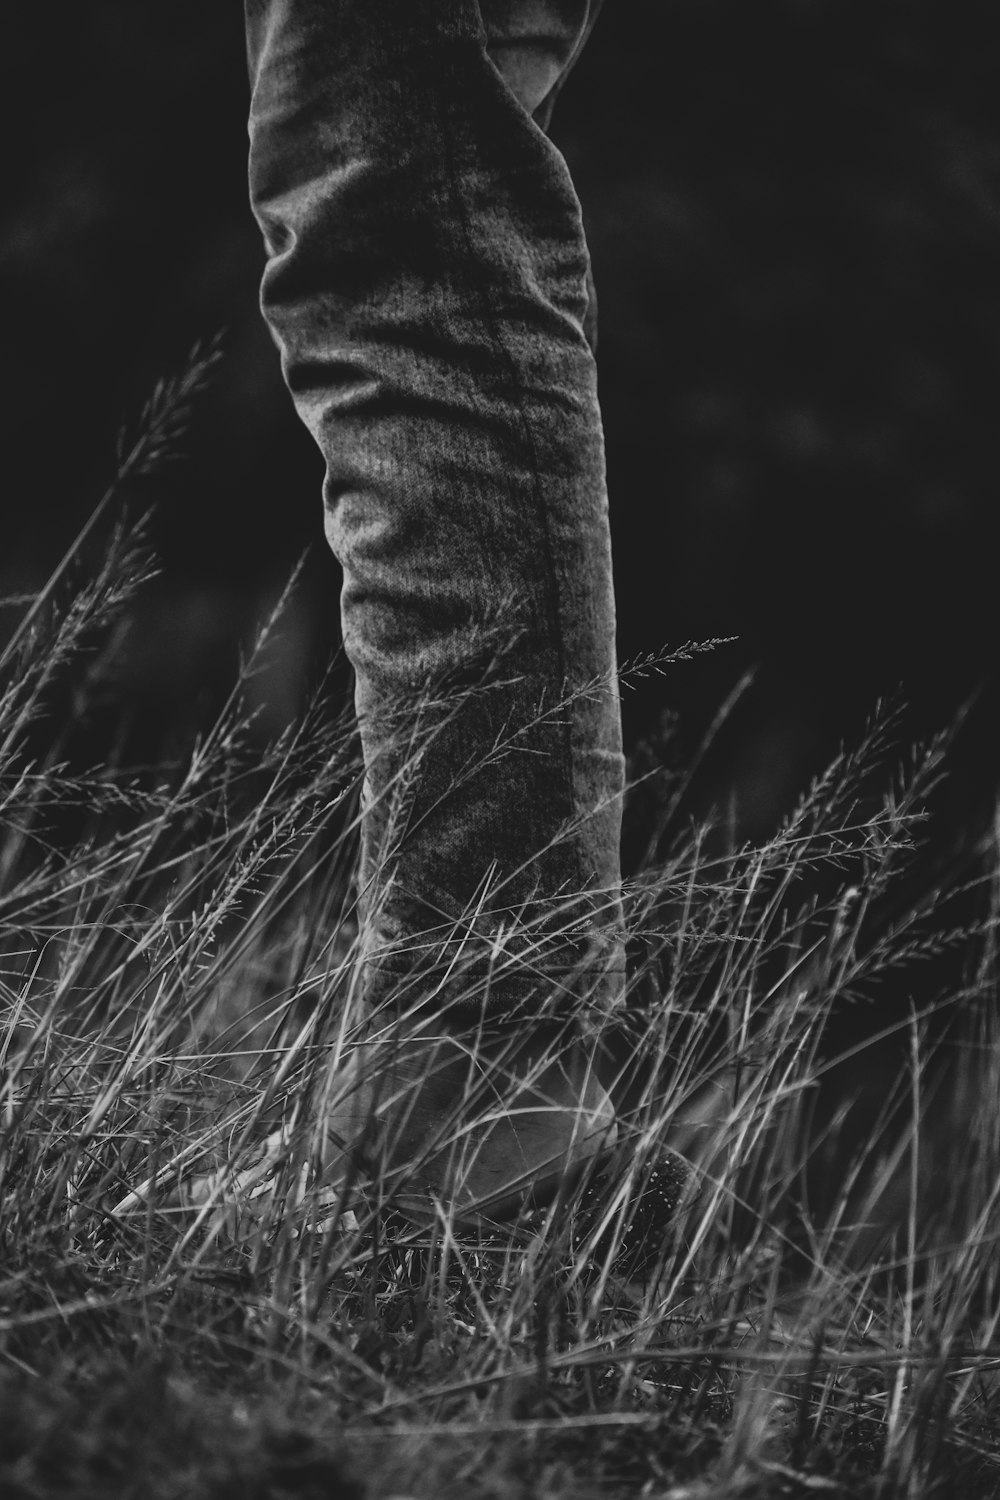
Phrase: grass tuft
[180,952]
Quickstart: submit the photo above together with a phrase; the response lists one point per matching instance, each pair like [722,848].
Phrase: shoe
[482,1129]
[479,1127]
[633,1233]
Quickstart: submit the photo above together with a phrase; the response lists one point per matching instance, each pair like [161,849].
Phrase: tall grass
[181,959]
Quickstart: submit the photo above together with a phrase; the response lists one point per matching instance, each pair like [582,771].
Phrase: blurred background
[794,214]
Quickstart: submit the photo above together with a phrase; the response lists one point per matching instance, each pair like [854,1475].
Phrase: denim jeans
[427,283]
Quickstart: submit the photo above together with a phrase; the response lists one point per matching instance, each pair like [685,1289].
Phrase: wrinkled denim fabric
[427,285]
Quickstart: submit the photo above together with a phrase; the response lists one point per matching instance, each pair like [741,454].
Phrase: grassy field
[180,975]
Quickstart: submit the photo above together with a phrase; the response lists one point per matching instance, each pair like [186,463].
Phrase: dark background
[794,212]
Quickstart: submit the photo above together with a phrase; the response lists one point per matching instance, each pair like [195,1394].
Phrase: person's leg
[427,285]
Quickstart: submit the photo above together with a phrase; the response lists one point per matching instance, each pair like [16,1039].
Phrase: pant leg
[427,286]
